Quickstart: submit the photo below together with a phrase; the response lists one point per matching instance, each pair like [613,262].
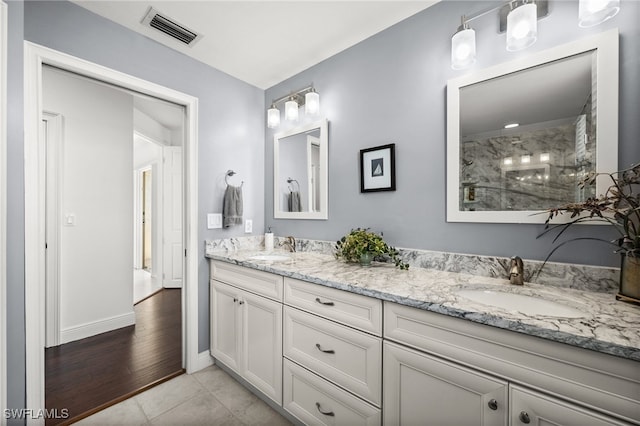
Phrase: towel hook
[230,173]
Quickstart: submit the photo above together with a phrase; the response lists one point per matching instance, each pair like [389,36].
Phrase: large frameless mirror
[521,135]
[300,175]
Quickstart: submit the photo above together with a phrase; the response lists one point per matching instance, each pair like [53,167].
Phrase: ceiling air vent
[170,27]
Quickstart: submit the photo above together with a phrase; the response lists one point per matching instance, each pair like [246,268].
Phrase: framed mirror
[521,135]
[300,172]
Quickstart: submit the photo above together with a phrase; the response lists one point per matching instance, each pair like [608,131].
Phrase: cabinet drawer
[313,400]
[347,357]
[259,282]
[528,406]
[354,310]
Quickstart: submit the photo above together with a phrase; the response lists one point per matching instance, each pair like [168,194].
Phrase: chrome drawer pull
[329,413]
[329,351]
[324,303]
[493,404]
[524,417]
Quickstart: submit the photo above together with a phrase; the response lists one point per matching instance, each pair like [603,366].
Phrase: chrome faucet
[516,271]
[290,243]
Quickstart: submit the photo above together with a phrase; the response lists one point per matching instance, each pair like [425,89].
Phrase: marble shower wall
[501,178]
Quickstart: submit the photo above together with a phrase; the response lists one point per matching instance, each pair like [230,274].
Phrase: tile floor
[207,397]
[143,284]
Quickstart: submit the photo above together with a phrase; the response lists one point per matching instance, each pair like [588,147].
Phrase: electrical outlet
[248,226]
[214,220]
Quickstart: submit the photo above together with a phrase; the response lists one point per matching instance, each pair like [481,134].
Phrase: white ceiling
[263,42]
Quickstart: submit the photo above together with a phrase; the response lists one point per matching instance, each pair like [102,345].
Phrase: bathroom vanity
[335,343]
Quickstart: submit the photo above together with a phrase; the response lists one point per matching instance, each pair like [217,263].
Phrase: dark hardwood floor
[93,373]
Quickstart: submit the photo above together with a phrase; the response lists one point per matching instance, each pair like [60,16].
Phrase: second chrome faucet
[516,271]
[290,243]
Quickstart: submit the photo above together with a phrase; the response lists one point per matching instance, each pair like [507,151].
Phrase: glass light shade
[291,110]
[522,27]
[463,49]
[273,117]
[594,12]
[312,103]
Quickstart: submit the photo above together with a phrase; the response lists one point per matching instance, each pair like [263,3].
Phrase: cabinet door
[225,324]
[262,344]
[532,408]
[424,390]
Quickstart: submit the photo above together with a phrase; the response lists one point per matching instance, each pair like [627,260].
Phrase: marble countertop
[608,325]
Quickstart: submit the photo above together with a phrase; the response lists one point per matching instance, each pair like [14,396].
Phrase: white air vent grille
[170,27]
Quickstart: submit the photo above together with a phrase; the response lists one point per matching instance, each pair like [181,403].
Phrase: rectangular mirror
[521,135]
[300,172]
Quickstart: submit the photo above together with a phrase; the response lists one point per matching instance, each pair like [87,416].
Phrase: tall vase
[629,279]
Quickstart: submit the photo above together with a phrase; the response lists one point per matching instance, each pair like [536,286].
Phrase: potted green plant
[362,246]
[618,207]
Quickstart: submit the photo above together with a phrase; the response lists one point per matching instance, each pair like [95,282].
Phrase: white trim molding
[3,209]
[96,327]
[204,360]
[35,56]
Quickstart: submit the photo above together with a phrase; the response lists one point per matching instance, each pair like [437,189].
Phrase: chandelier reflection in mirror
[307,97]
[518,18]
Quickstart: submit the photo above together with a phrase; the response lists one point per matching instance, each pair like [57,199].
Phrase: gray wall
[15,212]
[231,136]
[391,88]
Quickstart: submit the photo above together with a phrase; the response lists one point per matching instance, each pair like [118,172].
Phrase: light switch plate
[248,226]
[214,220]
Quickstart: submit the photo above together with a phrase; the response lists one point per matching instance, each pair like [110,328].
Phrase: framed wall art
[378,169]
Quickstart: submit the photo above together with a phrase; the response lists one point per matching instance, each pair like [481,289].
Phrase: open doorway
[95,160]
[35,242]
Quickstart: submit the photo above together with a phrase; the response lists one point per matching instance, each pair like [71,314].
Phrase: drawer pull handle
[241,302]
[326,413]
[326,351]
[324,303]
[235,300]
[493,404]
[524,417]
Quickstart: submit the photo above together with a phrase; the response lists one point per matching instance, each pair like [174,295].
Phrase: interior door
[172,217]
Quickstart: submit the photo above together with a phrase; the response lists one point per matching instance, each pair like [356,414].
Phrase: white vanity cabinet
[333,369]
[246,328]
[442,365]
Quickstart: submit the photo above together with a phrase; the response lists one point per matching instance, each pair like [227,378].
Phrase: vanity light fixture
[544,157]
[312,103]
[507,161]
[525,159]
[519,19]
[511,125]
[307,97]
[291,109]
[594,12]
[463,46]
[273,117]
[522,26]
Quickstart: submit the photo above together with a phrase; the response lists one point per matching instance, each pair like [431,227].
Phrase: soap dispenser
[268,240]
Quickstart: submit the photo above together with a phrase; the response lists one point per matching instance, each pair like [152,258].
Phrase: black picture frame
[378,168]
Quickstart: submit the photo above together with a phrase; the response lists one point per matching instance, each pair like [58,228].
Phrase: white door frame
[34,58]
[3,208]
[52,146]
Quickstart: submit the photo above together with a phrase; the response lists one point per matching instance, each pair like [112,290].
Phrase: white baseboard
[204,360]
[170,285]
[97,327]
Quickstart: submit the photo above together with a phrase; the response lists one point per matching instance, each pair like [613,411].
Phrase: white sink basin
[270,257]
[530,305]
